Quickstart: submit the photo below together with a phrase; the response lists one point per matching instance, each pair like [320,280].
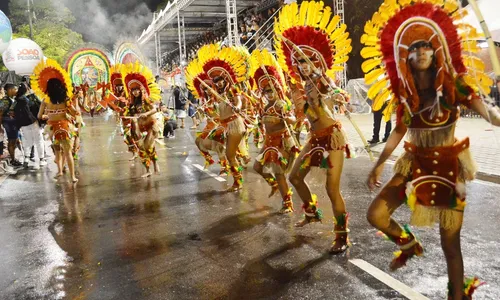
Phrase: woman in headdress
[212,136]
[143,93]
[52,83]
[311,47]
[417,50]
[226,67]
[279,150]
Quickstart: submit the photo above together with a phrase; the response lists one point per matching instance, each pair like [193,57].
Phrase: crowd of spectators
[253,32]
[20,128]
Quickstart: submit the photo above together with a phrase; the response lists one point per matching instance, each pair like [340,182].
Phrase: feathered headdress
[320,36]
[265,70]
[194,75]
[228,62]
[46,70]
[116,77]
[397,26]
[136,75]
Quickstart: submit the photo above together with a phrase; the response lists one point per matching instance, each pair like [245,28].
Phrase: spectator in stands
[243,33]
[8,122]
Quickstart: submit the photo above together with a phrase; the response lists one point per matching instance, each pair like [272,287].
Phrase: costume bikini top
[439,115]
[51,112]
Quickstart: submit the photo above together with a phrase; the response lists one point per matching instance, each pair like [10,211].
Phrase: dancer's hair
[57,91]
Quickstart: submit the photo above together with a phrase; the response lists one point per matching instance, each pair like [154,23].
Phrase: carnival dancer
[212,137]
[279,150]
[75,104]
[310,46]
[117,101]
[143,93]
[52,83]
[418,49]
[226,67]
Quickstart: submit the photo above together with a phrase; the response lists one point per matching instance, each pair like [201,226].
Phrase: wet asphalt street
[178,236]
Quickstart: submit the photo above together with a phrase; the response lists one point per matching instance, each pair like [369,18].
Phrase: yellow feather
[470,46]
[450,6]
[342,39]
[370,28]
[341,60]
[380,99]
[459,14]
[303,12]
[388,110]
[369,64]
[294,14]
[376,88]
[474,62]
[369,52]
[333,24]
[343,51]
[377,19]
[310,14]
[373,75]
[335,68]
[327,12]
[338,32]
[369,40]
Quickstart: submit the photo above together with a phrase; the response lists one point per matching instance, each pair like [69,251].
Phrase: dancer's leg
[450,242]
[233,142]
[58,159]
[68,155]
[270,179]
[341,242]
[379,215]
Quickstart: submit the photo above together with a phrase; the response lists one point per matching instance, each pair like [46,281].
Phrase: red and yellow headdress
[320,36]
[266,70]
[229,63]
[397,26]
[136,75]
[194,75]
[116,77]
[46,70]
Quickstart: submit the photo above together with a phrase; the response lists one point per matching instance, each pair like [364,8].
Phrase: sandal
[287,203]
[341,242]
[312,213]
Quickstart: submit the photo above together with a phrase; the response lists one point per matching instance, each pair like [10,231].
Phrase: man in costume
[417,49]
[143,93]
[212,136]
[311,47]
[279,150]
[226,67]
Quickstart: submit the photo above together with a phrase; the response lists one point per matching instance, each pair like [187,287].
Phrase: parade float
[89,70]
